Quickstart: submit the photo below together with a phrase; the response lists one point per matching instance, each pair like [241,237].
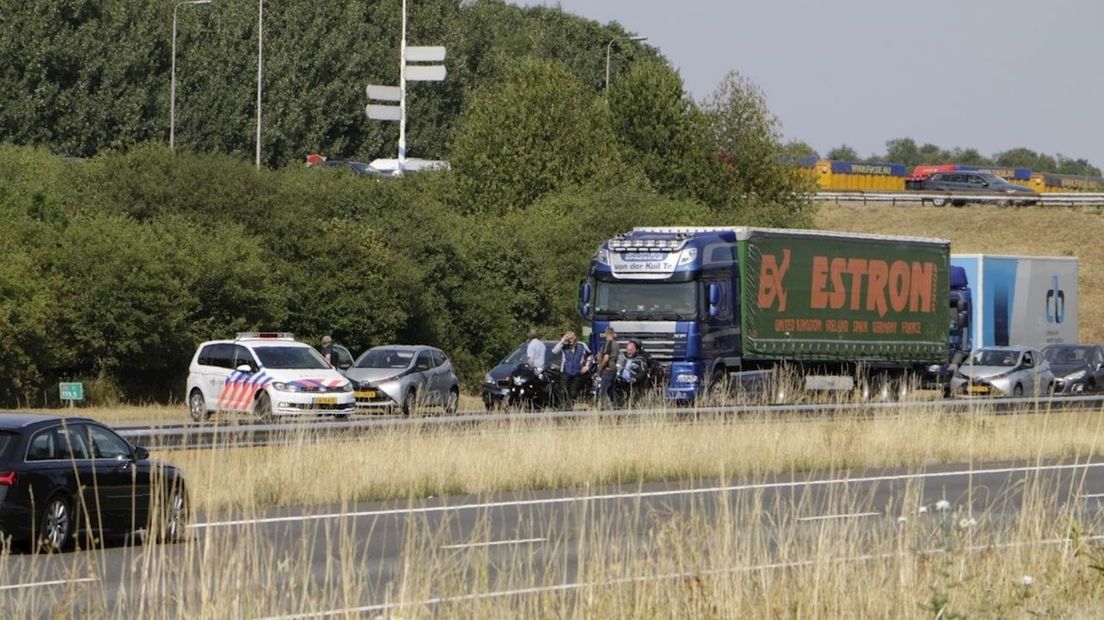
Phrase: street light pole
[260,73]
[609,48]
[172,79]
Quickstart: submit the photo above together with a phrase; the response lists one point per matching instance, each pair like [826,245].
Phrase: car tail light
[7,478]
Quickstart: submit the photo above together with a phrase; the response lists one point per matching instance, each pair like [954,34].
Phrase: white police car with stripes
[265,374]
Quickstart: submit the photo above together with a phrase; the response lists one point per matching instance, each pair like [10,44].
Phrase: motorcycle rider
[576,363]
[631,371]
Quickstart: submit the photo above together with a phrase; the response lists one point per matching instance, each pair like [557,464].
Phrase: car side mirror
[244,368]
[140,453]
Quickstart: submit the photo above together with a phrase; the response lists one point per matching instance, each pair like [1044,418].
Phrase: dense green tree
[533,133]
[842,152]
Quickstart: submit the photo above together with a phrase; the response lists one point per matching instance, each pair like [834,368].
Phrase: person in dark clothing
[576,363]
[607,363]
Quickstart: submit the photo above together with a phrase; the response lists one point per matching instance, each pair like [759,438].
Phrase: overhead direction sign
[381,112]
[425,73]
[425,53]
[384,93]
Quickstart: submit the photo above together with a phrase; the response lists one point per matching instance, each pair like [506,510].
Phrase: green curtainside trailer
[810,296]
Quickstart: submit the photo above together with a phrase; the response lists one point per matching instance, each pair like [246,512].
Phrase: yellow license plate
[366,394]
[979,389]
[325,400]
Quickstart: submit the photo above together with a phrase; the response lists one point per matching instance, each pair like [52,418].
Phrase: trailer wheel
[939,202]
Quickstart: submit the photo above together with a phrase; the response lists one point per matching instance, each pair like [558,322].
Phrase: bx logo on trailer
[1055,303]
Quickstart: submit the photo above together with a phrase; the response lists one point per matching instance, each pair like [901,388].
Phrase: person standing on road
[576,362]
[328,351]
[607,363]
[535,352]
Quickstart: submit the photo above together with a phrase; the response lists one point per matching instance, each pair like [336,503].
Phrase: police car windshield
[384,358]
[276,357]
[650,301]
[995,358]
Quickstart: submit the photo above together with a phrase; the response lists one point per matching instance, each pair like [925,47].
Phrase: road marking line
[562,587]
[841,516]
[644,495]
[40,584]
[1091,496]
[519,541]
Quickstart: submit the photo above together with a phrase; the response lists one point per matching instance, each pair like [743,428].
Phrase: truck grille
[661,347]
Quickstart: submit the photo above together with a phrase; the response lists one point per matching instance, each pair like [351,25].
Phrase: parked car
[961,182]
[496,383]
[266,374]
[404,378]
[1003,371]
[1078,368]
[64,480]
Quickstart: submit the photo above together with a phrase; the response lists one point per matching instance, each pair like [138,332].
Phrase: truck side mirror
[714,299]
[584,299]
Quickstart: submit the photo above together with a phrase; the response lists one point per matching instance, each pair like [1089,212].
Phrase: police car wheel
[197,406]
[262,408]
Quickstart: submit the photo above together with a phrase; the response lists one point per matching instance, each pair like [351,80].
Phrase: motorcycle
[530,390]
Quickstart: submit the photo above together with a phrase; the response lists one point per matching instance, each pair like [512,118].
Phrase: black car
[1077,368]
[496,383]
[66,480]
[981,183]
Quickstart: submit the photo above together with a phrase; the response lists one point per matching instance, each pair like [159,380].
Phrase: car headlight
[685,378]
[348,387]
[1074,376]
[487,378]
[959,375]
[287,387]
[519,380]
[1003,375]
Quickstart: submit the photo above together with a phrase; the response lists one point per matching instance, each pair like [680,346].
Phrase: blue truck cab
[671,291]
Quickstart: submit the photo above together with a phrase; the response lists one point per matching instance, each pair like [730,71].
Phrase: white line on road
[495,543]
[40,584]
[1091,496]
[856,515]
[647,494]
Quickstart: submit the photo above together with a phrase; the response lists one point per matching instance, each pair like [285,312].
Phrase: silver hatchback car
[404,377]
[1003,371]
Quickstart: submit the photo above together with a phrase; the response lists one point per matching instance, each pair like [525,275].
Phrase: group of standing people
[613,366]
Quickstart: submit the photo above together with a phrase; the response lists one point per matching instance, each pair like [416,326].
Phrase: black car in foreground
[1077,368]
[68,480]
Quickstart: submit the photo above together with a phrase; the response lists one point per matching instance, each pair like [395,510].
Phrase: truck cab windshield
[647,300]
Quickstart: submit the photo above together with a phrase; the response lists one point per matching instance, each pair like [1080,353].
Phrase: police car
[265,374]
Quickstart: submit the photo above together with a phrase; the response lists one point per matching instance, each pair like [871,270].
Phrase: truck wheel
[903,387]
[718,384]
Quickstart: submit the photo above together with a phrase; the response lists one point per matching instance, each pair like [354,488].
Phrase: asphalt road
[384,547]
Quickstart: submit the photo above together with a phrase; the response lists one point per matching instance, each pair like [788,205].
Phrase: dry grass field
[1037,231]
[516,455]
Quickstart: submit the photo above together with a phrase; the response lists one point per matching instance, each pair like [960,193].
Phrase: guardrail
[1055,199]
[200,436]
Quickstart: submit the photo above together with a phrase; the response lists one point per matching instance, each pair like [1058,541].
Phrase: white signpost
[407,73]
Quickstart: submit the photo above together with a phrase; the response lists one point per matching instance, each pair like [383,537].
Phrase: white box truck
[1021,300]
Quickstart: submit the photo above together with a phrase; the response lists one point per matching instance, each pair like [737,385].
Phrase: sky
[986,74]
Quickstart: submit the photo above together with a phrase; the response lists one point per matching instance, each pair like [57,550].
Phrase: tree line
[906,151]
